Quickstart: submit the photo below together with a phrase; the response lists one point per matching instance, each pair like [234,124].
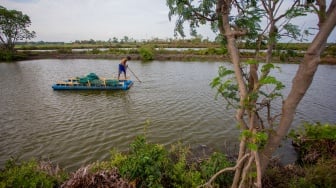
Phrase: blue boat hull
[122,85]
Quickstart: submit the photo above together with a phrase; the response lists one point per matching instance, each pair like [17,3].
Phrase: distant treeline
[158,43]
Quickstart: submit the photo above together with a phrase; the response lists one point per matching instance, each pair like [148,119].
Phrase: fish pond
[173,103]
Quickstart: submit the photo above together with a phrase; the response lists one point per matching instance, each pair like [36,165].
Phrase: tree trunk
[301,83]
[223,9]
[271,42]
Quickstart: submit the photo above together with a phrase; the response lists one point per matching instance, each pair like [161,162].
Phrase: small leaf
[267,67]
[252,62]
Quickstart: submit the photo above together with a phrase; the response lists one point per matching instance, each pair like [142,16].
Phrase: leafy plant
[145,164]
[151,165]
[255,140]
[28,174]
[314,141]
[95,51]
[64,51]
[147,52]
[181,174]
[323,174]
[226,86]
[216,162]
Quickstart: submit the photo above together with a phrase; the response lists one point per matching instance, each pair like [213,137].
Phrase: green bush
[151,165]
[330,50]
[6,56]
[147,52]
[95,51]
[145,164]
[64,50]
[316,147]
[11,56]
[323,174]
[28,174]
[283,56]
[280,176]
[314,141]
[215,163]
[183,174]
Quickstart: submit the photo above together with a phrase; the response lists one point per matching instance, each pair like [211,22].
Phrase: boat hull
[122,85]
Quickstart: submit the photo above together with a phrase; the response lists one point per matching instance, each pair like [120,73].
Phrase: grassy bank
[206,54]
[152,165]
[181,50]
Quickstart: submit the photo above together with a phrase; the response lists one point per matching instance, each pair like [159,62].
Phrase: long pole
[134,74]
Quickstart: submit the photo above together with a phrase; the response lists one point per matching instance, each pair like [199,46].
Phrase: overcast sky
[70,20]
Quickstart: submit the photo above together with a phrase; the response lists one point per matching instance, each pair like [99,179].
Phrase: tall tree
[304,75]
[240,19]
[13,28]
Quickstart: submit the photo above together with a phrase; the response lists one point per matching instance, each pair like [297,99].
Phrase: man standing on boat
[123,66]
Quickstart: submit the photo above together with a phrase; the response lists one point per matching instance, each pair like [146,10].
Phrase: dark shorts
[122,68]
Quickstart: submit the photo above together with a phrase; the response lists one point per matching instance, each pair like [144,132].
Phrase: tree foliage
[244,86]
[13,27]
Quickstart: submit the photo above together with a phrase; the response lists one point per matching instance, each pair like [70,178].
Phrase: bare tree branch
[246,169]
[197,14]
[284,14]
[208,184]
[258,166]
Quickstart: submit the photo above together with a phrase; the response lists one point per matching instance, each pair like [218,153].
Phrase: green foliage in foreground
[28,174]
[316,147]
[314,141]
[323,174]
[151,165]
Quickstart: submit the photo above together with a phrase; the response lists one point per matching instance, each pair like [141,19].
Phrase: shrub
[283,56]
[181,174]
[277,175]
[323,174]
[147,52]
[314,141]
[6,56]
[95,51]
[64,50]
[11,56]
[151,165]
[215,163]
[28,174]
[330,50]
[145,164]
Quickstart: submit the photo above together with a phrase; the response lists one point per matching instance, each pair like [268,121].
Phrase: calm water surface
[74,128]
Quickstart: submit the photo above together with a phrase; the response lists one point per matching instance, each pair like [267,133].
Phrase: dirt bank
[163,57]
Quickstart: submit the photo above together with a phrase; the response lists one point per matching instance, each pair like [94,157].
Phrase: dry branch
[208,184]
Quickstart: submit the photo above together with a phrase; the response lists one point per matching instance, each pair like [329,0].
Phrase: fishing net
[92,76]
[93,80]
[96,82]
[111,82]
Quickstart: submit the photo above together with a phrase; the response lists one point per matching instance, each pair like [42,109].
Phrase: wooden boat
[93,82]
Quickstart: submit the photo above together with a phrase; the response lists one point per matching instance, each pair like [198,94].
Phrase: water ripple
[74,128]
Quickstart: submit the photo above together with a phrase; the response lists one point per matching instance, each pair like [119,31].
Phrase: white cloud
[69,20]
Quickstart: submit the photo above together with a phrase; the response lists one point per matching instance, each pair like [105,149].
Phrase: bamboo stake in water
[134,74]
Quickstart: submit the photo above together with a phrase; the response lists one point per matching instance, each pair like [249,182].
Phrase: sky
[70,20]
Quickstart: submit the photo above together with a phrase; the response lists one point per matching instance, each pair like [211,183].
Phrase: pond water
[174,103]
